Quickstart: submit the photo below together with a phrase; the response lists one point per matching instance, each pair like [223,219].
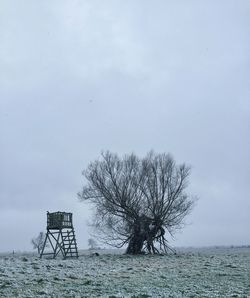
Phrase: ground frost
[203,273]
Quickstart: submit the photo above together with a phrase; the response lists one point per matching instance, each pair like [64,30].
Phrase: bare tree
[137,200]
[92,244]
[38,242]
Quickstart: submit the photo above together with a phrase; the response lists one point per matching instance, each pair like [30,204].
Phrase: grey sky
[78,77]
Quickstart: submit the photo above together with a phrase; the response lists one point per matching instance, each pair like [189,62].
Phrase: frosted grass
[192,273]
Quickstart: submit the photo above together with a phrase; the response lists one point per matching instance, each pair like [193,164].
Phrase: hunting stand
[60,235]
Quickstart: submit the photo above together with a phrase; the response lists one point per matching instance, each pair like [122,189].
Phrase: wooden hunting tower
[60,235]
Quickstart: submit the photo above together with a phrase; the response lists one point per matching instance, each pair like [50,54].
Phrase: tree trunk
[135,244]
[138,237]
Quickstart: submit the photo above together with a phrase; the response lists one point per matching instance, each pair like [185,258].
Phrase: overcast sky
[78,77]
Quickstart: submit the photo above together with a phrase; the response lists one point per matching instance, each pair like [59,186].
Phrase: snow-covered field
[189,273]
